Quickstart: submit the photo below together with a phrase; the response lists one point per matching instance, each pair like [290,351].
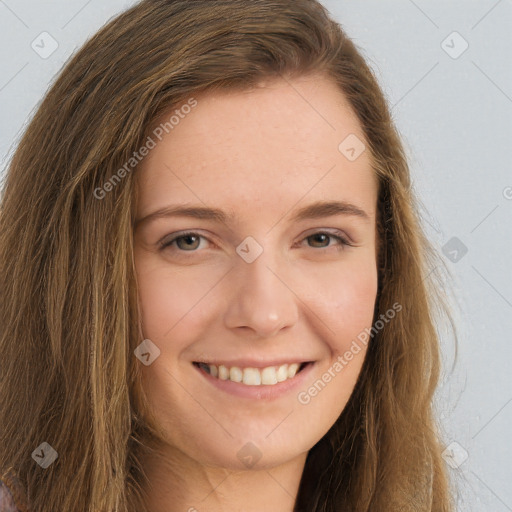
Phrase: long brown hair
[69,313]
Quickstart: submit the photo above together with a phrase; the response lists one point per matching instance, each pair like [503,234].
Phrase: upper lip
[253,363]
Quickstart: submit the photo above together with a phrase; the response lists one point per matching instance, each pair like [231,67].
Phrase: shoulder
[7,503]
[12,493]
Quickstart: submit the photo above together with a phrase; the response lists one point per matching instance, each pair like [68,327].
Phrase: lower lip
[263,392]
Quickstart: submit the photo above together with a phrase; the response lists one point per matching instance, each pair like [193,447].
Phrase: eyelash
[344,242]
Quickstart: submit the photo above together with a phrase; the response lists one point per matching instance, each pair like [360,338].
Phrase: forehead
[262,148]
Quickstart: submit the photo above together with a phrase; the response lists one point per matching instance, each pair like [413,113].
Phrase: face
[255,305]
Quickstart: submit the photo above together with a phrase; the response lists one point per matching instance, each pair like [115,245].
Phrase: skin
[262,154]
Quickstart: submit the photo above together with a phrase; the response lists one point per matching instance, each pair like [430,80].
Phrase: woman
[260,369]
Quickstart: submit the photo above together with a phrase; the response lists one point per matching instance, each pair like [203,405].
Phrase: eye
[319,235]
[190,241]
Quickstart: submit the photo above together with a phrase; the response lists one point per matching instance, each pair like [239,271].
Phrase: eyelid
[172,237]
[333,232]
[344,239]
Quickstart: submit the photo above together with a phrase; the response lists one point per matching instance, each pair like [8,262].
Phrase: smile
[250,376]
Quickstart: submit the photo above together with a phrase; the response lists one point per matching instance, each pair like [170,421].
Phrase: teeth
[282,373]
[235,374]
[292,370]
[268,376]
[223,372]
[253,376]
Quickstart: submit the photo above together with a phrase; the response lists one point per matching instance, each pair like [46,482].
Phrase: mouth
[251,376]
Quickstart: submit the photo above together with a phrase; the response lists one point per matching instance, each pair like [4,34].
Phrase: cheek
[344,299]
[342,296]
[346,307]
[169,296]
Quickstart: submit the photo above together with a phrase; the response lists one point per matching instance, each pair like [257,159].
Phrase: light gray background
[455,117]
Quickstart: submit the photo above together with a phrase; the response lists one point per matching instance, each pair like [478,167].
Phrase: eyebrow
[315,210]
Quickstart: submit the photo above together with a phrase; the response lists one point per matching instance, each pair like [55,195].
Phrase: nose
[262,300]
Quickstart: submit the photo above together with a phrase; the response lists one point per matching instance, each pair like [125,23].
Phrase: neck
[181,484]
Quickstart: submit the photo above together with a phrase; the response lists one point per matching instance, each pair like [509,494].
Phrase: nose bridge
[261,299]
